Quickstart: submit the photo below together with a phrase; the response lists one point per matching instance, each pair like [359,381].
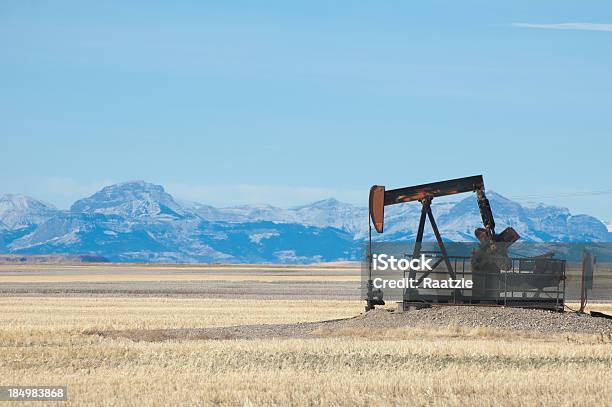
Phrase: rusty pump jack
[425,193]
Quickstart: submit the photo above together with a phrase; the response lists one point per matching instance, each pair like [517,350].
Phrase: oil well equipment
[498,278]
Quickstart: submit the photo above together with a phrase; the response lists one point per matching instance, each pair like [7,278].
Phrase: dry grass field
[54,340]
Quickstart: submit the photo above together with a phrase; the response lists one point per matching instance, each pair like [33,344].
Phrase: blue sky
[285,103]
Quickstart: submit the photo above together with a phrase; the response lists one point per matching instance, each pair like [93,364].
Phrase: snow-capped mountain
[19,211]
[139,221]
[326,213]
[242,213]
[331,212]
[534,222]
[135,199]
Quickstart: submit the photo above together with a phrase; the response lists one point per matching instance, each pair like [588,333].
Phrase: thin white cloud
[567,26]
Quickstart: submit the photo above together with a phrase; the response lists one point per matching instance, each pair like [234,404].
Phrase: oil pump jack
[487,260]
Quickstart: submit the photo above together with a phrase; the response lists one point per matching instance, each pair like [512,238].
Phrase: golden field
[48,341]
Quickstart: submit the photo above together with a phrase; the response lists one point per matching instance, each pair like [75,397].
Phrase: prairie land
[58,339]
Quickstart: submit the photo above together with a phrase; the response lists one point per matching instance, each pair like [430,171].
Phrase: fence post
[588,261]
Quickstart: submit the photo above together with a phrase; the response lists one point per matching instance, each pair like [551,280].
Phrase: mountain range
[140,222]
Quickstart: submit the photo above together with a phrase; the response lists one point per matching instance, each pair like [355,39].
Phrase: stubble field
[59,337]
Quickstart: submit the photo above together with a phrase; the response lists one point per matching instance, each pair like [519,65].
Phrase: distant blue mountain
[140,222]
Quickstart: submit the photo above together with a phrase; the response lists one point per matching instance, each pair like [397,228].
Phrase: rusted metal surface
[509,235]
[442,188]
[377,207]
[485,211]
